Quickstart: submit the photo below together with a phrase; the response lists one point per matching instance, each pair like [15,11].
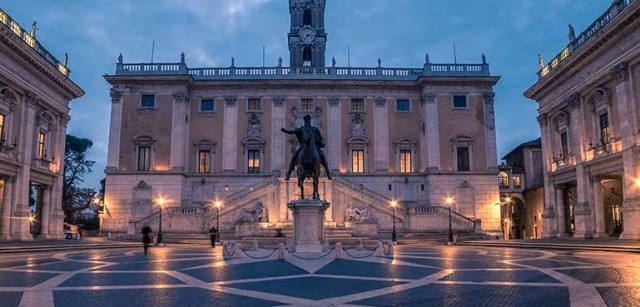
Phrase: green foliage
[74,197]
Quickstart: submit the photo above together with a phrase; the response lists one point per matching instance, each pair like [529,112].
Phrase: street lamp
[218,204]
[160,202]
[394,237]
[449,201]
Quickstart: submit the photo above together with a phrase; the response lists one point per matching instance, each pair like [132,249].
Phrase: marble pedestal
[308,228]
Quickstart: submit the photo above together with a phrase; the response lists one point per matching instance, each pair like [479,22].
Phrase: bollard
[339,251]
[359,245]
[254,245]
[281,251]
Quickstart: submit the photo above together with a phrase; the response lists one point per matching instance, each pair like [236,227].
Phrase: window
[206,105]
[3,137]
[254,104]
[148,101]
[402,105]
[357,161]
[204,161]
[516,182]
[357,104]
[306,104]
[306,56]
[42,152]
[253,160]
[503,180]
[405,161]
[604,128]
[564,144]
[306,17]
[144,158]
[462,155]
[459,102]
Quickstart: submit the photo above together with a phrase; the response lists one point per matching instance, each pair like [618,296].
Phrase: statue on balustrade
[308,156]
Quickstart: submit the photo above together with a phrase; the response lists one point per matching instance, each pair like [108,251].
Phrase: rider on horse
[319,144]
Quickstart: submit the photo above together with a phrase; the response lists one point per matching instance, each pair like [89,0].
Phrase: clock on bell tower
[307,39]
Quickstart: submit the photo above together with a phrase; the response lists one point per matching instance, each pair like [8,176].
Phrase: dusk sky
[511,33]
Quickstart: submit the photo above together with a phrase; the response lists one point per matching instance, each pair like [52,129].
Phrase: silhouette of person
[319,144]
[146,239]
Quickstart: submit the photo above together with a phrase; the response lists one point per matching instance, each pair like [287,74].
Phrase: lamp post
[449,201]
[394,237]
[161,205]
[218,204]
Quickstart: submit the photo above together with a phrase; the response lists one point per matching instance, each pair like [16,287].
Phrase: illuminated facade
[196,135]
[589,115]
[35,91]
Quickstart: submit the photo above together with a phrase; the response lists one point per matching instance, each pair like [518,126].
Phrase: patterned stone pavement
[418,275]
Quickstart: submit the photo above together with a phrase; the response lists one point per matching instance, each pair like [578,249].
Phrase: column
[230,135]
[277,136]
[598,205]
[113,153]
[490,131]
[631,192]
[549,216]
[560,212]
[20,229]
[178,132]
[381,135]
[334,134]
[430,143]
[7,204]
[582,209]
[46,212]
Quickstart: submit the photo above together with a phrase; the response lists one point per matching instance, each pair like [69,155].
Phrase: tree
[74,197]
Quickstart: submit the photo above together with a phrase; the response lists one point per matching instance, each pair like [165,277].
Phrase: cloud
[222,14]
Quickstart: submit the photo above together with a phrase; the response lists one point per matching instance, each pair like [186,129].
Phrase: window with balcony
[253,161]
[41,151]
[517,183]
[204,161]
[503,180]
[564,144]
[357,161]
[605,130]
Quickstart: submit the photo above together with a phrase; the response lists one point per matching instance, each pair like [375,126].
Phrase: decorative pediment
[144,140]
[599,96]
[560,119]
[461,139]
[142,186]
[254,140]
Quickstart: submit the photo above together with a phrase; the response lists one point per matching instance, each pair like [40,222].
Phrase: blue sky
[511,33]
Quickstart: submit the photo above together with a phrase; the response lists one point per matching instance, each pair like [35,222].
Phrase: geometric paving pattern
[418,275]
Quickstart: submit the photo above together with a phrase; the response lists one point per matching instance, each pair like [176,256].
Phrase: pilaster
[178,132]
[277,137]
[598,205]
[7,208]
[113,153]
[430,144]
[334,131]
[381,135]
[230,135]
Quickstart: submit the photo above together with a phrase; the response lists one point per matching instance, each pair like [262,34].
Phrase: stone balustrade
[455,216]
[328,73]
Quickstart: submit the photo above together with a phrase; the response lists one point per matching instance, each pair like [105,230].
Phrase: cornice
[38,64]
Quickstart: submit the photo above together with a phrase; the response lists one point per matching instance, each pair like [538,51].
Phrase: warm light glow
[96,200]
[637,181]
[449,200]
[31,219]
[218,204]
[394,203]
[161,201]
[507,199]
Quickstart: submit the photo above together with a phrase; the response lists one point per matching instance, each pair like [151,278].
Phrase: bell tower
[307,39]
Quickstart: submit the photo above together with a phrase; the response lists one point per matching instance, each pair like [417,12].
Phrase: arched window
[503,180]
[306,56]
[306,18]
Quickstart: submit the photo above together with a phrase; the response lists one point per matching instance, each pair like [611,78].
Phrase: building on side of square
[35,91]
[200,136]
[590,122]
[520,179]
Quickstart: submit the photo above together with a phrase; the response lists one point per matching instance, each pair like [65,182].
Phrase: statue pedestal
[308,227]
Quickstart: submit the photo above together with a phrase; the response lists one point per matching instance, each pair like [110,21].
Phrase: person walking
[146,239]
[214,233]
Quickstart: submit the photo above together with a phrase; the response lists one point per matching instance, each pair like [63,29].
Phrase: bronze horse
[308,162]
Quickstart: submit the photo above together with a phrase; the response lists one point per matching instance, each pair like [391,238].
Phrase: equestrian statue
[308,156]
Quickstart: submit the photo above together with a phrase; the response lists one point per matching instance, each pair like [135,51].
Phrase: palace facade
[35,91]
[183,140]
[589,115]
